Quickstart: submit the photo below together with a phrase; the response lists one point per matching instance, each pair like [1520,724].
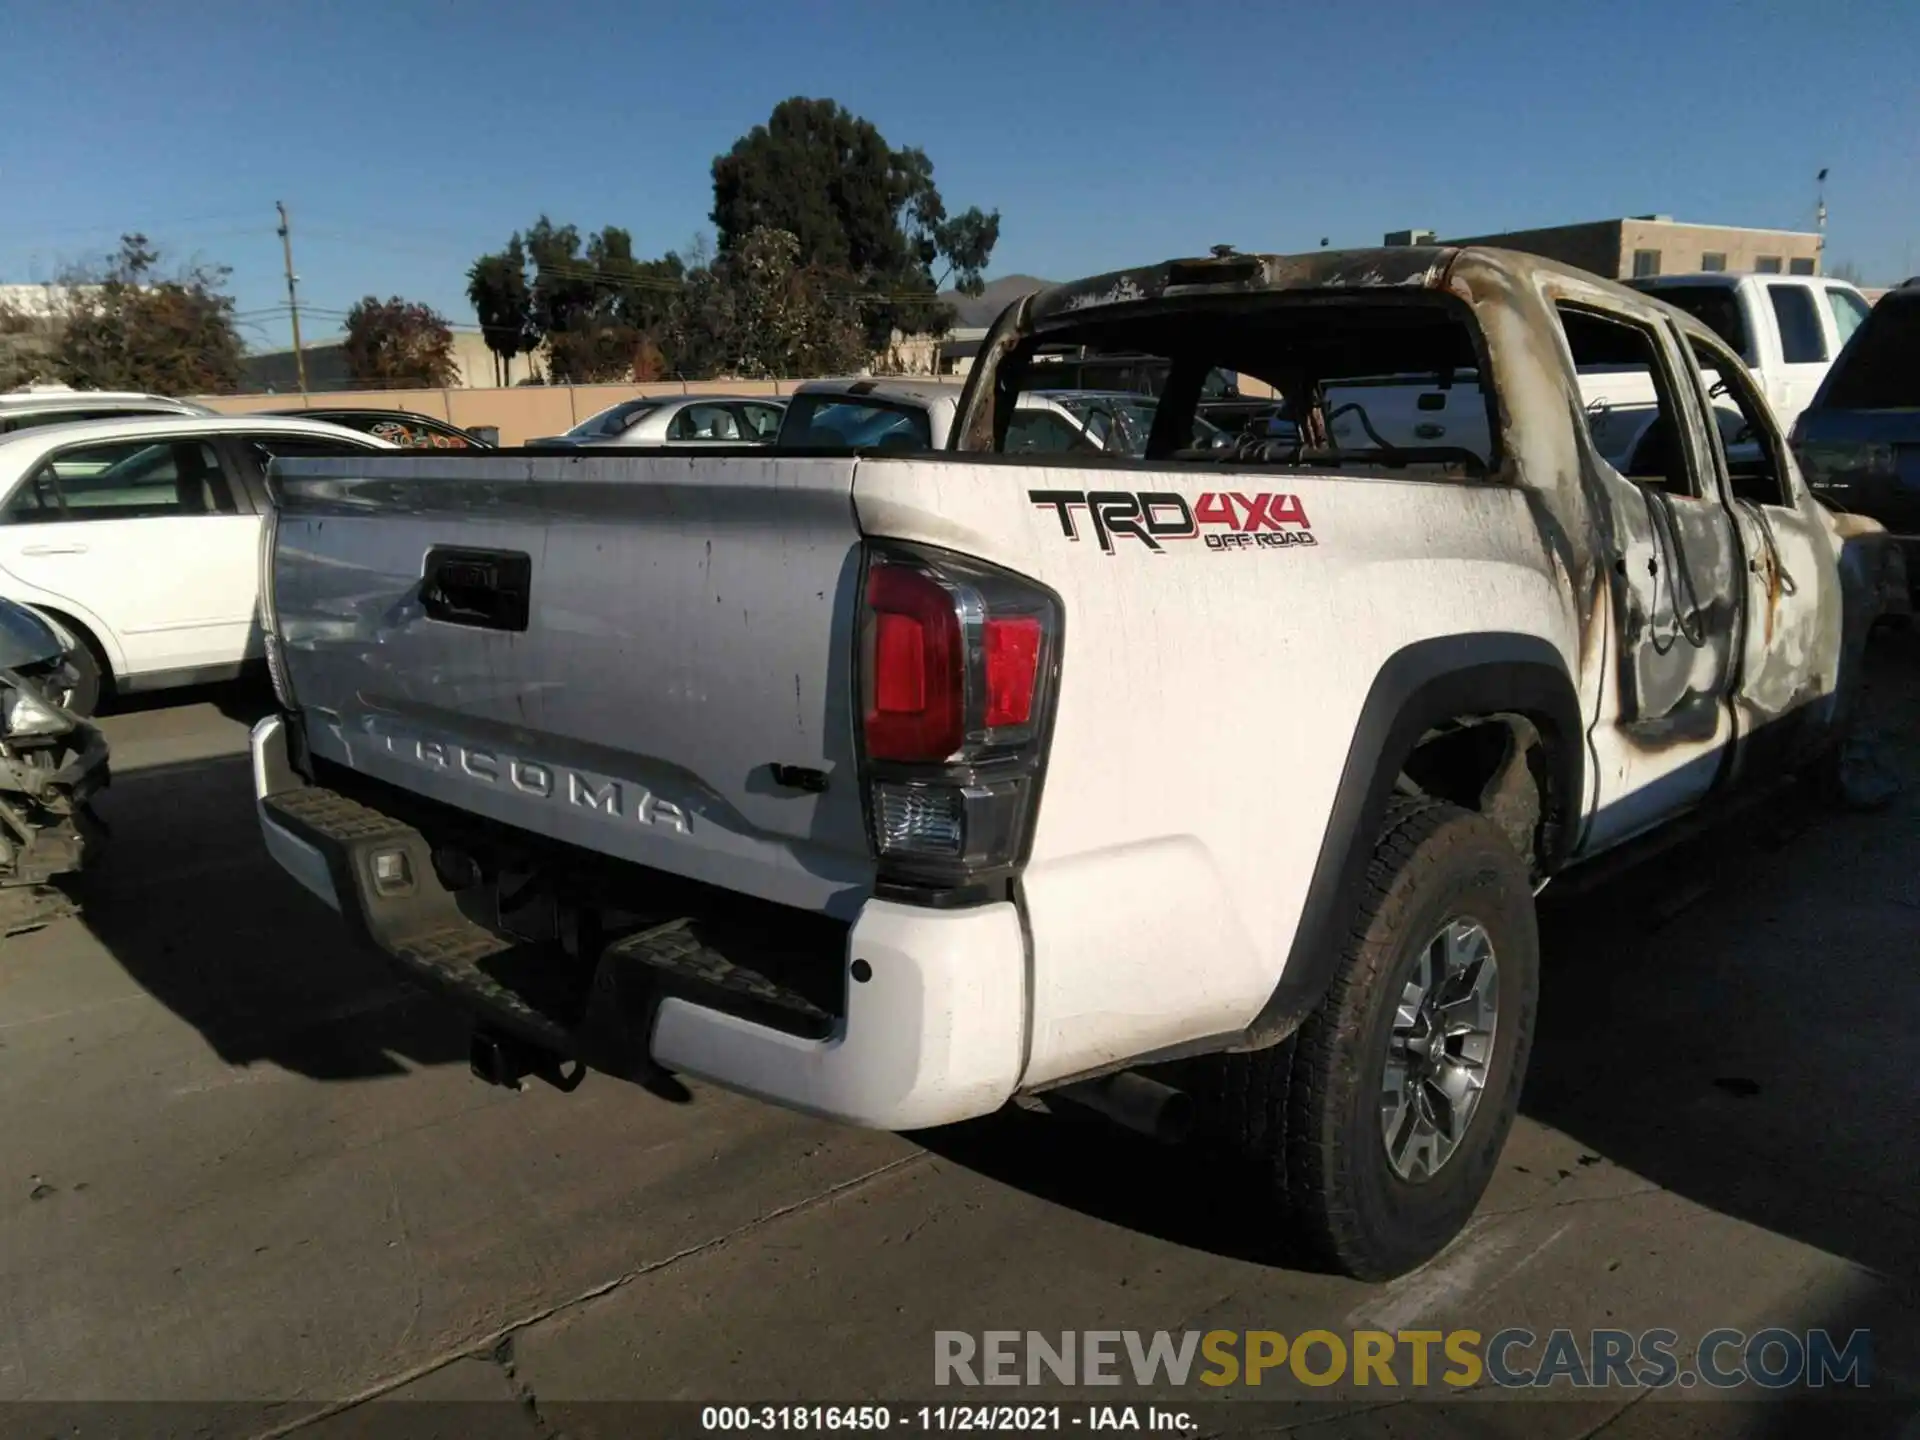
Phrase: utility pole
[1820,209]
[293,298]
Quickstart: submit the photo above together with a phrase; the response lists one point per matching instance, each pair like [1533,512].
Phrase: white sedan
[140,536]
[678,420]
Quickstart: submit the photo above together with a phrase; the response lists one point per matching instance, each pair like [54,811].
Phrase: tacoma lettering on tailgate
[616,799]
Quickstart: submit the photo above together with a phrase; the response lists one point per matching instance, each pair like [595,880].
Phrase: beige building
[1641,245]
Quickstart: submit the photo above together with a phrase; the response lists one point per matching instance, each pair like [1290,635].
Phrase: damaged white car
[52,763]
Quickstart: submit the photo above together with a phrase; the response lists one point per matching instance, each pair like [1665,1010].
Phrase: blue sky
[407,136]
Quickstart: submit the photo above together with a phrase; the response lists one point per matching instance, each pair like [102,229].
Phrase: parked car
[1859,441]
[912,414]
[401,428]
[51,764]
[678,420]
[1158,762]
[140,535]
[1786,328]
[29,409]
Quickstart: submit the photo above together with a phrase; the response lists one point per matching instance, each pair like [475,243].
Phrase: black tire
[90,683]
[1307,1111]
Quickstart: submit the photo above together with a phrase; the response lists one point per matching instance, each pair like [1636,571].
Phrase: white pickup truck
[1787,328]
[891,787]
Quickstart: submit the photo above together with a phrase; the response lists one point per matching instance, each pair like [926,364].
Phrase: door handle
[487,589]
[53,549]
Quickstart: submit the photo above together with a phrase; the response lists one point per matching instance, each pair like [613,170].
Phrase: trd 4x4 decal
[1225,519]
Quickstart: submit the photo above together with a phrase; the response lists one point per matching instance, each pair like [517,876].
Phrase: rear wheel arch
[1471,691]
[85,631]
[102,683]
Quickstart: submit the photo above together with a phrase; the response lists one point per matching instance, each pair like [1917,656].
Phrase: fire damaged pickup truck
[893,787]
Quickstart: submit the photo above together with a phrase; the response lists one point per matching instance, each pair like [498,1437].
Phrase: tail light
[959,664]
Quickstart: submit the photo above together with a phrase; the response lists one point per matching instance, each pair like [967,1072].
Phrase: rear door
[1678,590]
[650,657]
[1791,641]
[154,537]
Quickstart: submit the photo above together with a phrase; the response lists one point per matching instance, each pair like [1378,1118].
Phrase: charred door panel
[1793,641]
[1798,627]
[1679,598]
[1680,615]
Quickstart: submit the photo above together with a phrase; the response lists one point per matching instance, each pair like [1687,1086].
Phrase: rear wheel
[1377,1127]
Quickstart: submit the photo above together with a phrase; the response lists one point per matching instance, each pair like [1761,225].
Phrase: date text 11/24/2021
[945,1418]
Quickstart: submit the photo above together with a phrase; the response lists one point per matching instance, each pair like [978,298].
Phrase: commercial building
[1641,245]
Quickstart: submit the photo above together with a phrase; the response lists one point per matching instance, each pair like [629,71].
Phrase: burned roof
[1420,266]
[1384,268]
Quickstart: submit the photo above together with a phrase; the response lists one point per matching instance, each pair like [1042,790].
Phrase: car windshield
[829,422]
[615,421]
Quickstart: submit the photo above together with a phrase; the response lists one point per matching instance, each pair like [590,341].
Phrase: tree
[125,327]
[758,313]
[399,344]
[598,311]
[858,209]
[1848,271]
[497,286]
[602,310]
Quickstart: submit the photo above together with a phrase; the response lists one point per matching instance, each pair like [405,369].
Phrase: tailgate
[647,656]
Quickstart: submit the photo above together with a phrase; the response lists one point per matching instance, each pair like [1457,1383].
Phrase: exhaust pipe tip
[1176,1119]
[1135,1102]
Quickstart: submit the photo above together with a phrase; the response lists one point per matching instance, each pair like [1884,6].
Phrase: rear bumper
[934,1033]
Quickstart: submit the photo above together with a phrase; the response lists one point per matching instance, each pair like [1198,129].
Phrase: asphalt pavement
[245,1171]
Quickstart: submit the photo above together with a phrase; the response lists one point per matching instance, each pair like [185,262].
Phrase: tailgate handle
[486,589]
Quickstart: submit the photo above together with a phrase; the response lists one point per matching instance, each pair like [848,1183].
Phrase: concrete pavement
[246,1171]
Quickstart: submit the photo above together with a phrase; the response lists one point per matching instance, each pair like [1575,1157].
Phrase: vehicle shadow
[246,699]
[189,904]
[1734,1022]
